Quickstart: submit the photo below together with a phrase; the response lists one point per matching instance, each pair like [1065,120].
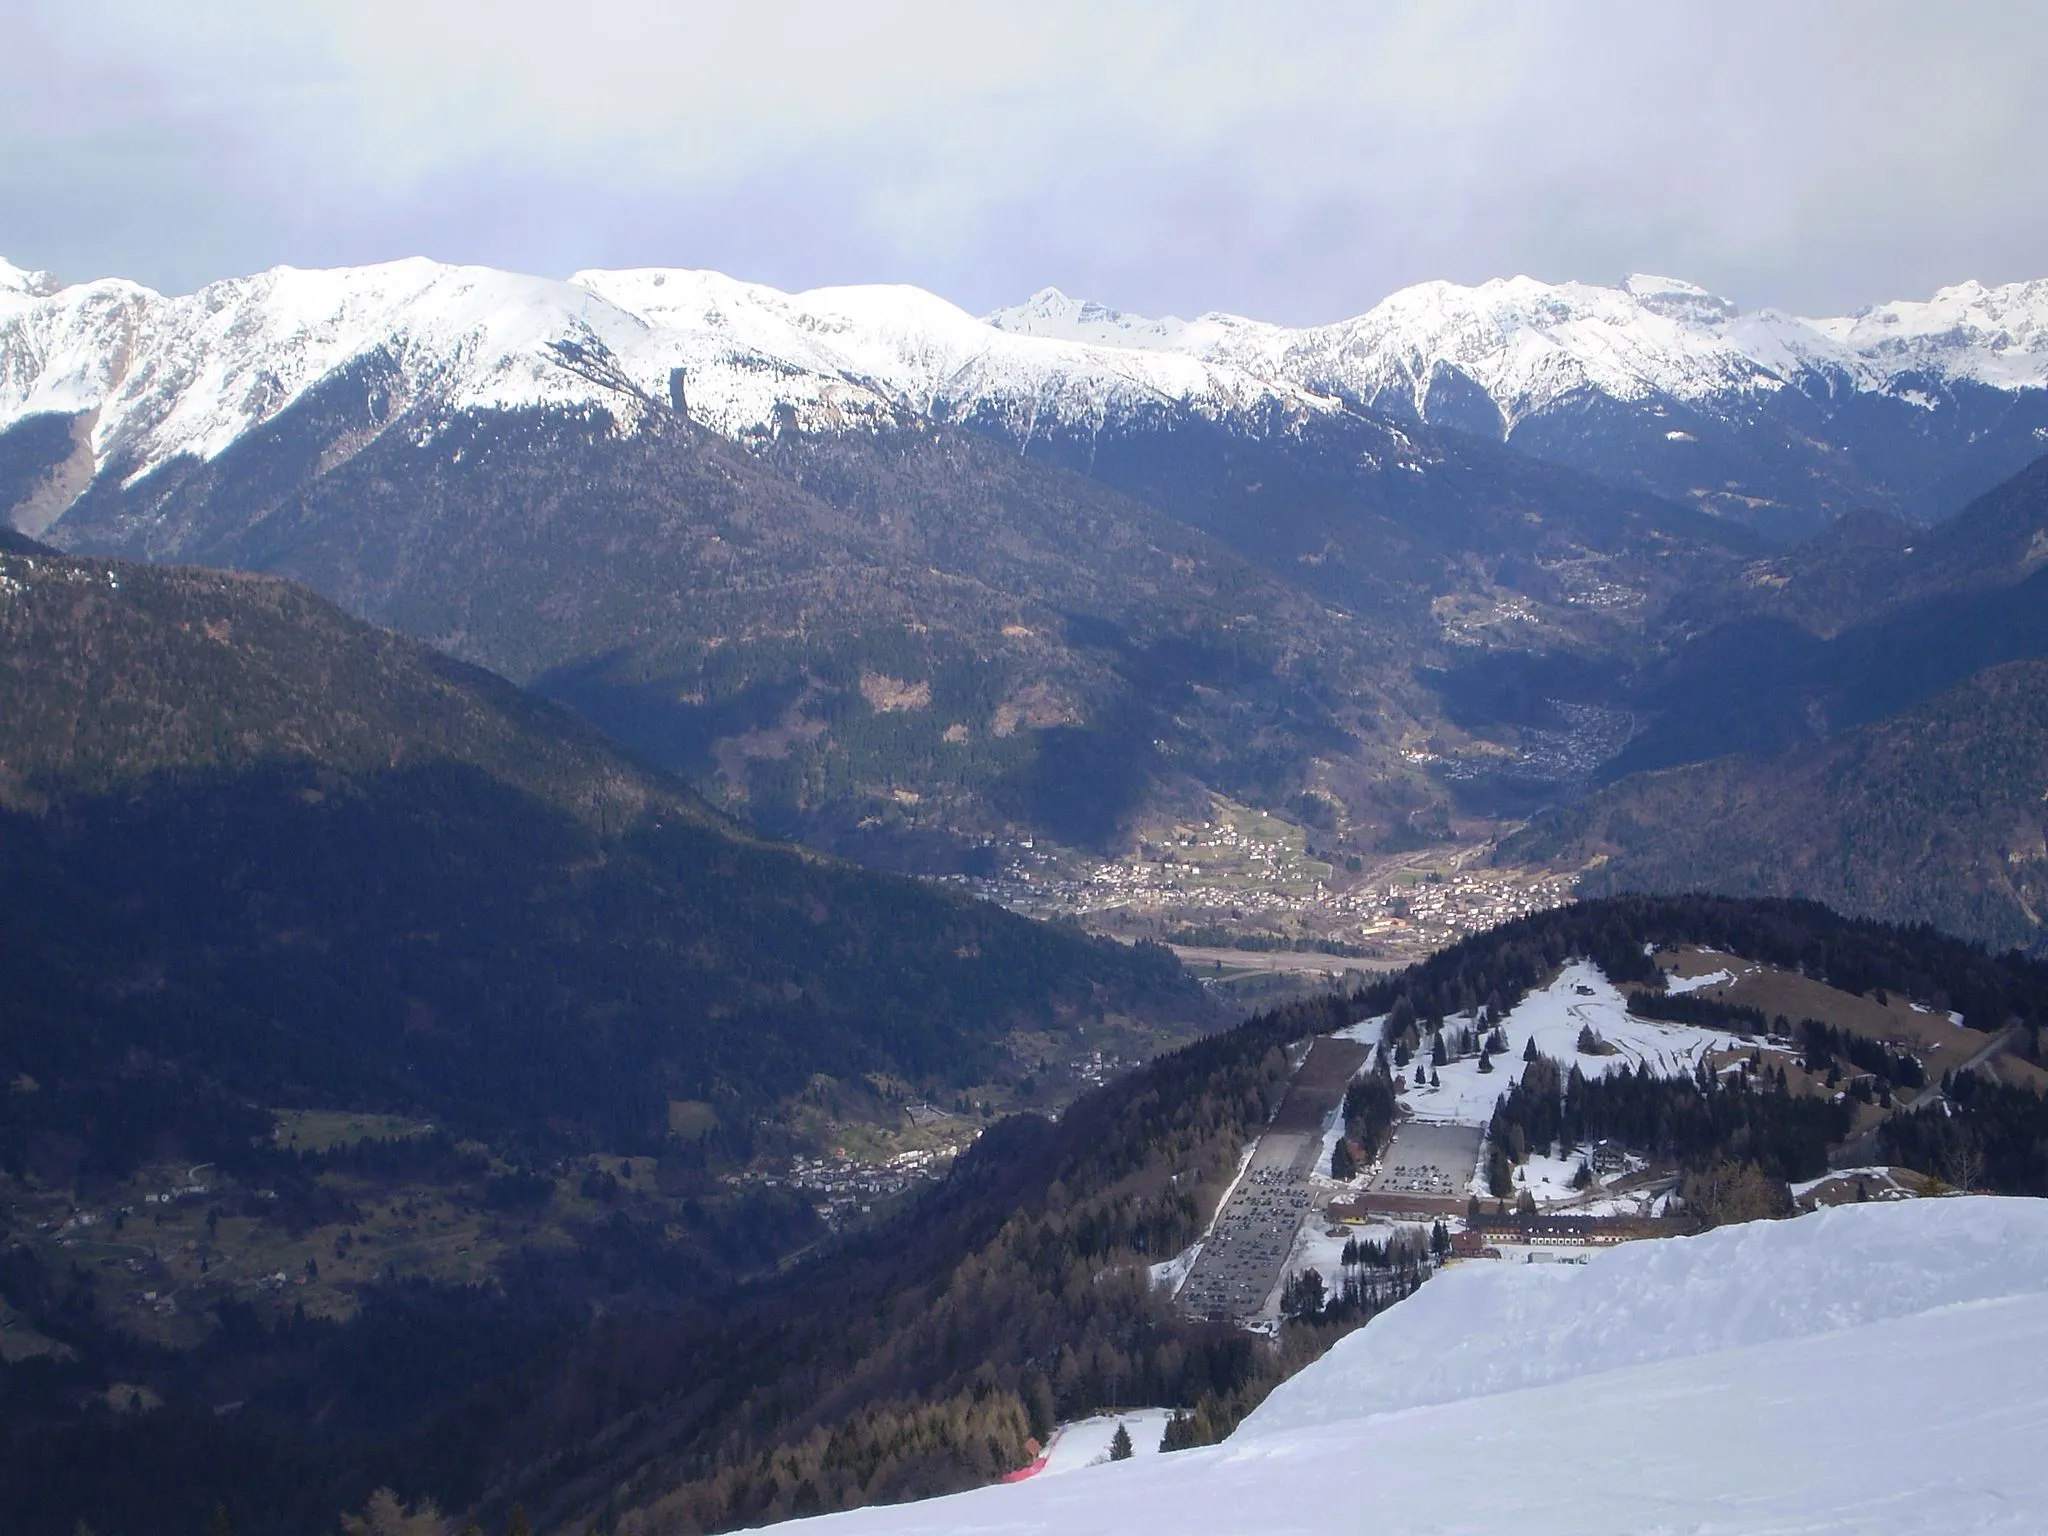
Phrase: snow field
[1315,1249]
[1869,1370]
[1554,1016]
[1171,1274]
[1678,985]
[1484,1328]
[1085,1442]
[1548,1178]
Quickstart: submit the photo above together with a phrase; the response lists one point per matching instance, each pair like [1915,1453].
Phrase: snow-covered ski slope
[1086,1442]
[1872,1369]
[165,376]
[1553,1015]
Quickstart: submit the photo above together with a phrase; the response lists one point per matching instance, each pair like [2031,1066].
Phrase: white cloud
[1292,159]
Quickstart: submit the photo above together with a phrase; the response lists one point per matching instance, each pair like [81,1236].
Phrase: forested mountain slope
[1864,620]
[909,1359]
[1937,814]
[812,630]
[284,856]
[1867,565]
[914,635]
[1016,1311]
[868,570]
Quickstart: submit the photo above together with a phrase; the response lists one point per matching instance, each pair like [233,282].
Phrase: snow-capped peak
[35,285]
[1678,300]
[187,376]
[164,377]
[1996,336]
[1049,312]
[1646,285]
[1529,343]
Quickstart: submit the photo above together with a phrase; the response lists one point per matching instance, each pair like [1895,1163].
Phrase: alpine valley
[929,590]
[642,905]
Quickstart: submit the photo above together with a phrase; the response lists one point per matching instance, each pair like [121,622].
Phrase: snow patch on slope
[19,280]
[1996,336]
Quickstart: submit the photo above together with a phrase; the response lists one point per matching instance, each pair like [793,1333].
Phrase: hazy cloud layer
[1293,161]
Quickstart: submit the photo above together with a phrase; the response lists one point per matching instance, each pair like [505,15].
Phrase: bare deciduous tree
[385,1516]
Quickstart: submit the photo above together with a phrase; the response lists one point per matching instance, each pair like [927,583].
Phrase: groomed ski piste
[1087,1442]
[1580,997]
[1870,1369]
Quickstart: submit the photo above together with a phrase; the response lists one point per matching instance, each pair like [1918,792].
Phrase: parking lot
[1424,1159]
[1245,1256]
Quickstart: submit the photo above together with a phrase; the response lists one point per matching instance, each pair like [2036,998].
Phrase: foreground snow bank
[1870,1369]
[1484,1328]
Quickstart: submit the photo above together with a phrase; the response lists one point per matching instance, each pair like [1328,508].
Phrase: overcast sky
[1292,161]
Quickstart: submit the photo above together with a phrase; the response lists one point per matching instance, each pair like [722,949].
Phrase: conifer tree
[1120,1445]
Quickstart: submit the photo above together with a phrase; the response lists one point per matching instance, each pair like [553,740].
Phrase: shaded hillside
[1759,686]
[808,632]
[110,672]
[1937,814]
[1867,564]
[264,854]
[912,1358]
[902,640]
[1018,1286]
[1865,619]
[1375,514]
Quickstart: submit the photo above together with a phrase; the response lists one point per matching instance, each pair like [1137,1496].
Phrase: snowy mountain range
[1529,344]
[1865,1370]
[1761,416]
[163,378]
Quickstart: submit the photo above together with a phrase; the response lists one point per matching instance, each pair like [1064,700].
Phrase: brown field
[1930,1036]
[2009,1069]
[320,1130]
[1319,1086]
